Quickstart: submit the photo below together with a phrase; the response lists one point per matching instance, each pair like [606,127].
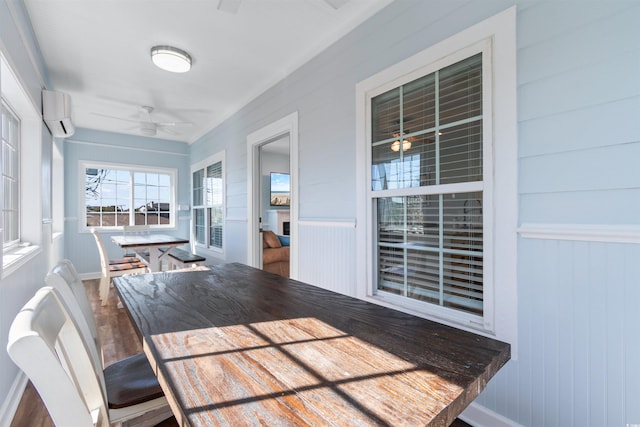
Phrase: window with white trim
[10,176]
[119,195]
[23,178]
[437,164]
[426,187]
[208,203]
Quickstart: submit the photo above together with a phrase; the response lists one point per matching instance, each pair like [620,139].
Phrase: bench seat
[179,258]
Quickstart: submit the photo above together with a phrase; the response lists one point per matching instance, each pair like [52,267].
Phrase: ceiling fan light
[148,128]
[171,59]
[395,145]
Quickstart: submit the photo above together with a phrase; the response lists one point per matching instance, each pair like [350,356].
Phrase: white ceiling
[98,51]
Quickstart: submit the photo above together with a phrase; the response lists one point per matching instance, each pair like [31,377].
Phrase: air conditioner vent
[56,111]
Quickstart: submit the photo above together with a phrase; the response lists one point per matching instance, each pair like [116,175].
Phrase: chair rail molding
[606,233]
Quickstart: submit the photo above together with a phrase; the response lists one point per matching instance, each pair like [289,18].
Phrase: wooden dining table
[152,242]
[238,346]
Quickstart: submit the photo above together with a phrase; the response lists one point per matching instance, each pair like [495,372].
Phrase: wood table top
[139,240]
[239,346]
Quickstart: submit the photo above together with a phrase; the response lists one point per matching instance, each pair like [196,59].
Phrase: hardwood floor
[118,340]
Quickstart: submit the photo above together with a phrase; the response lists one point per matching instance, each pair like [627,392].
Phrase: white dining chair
[109,271]
[65,279]
[45,342]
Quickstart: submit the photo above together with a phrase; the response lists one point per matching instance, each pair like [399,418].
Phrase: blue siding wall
[579,88]
[579,146]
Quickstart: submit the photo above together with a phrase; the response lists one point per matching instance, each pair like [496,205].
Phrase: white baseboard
[10,404]
[479,416]
[89,276]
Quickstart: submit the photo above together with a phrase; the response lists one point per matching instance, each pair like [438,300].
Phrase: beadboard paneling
[327,255]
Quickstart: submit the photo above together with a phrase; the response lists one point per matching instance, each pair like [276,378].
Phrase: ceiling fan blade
[229,6]
[117,118]
[336,4]
[174,124]
[168,130]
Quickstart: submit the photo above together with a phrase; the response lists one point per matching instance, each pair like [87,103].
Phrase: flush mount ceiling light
[171,59]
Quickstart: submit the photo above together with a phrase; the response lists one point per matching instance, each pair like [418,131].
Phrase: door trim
[286,125]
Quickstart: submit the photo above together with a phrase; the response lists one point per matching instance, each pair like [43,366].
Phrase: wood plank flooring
[118,340]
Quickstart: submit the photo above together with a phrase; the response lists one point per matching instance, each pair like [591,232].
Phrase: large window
[437,174]
[208,203]
[10,176]
[426,182]
[118,195]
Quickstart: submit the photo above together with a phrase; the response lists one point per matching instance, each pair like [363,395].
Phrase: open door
[273,148]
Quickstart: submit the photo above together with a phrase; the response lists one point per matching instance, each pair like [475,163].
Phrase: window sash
[10,176]
[427,191]
[208,205]
[119,195]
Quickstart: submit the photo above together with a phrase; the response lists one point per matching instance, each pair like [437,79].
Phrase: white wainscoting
[327,251]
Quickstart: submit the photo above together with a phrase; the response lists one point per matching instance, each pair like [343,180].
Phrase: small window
[10,176]
[208,203]
[116,196]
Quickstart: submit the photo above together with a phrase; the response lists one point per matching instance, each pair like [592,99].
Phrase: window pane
[461,153]
[108,219]
[408,248]
[215,228]
[385,115]
[419,104]
[198,180]
[461,90]
[395,170]
[140,219]
[10,226]
[10,175]
[198,225]
[214,184]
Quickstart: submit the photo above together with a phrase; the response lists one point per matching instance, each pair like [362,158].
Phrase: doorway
[273,148]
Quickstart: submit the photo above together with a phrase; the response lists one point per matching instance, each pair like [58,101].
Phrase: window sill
[16,257]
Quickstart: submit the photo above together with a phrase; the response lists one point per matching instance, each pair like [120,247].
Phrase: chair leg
[105,282]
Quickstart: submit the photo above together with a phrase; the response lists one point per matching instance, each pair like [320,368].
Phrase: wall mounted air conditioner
[56,111]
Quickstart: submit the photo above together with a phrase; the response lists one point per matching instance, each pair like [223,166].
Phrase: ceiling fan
[149,127]
[232,6]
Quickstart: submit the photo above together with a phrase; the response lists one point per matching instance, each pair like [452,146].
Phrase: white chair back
[64,279]
[107,271]
[104,257]
[135,229]
[45,342]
